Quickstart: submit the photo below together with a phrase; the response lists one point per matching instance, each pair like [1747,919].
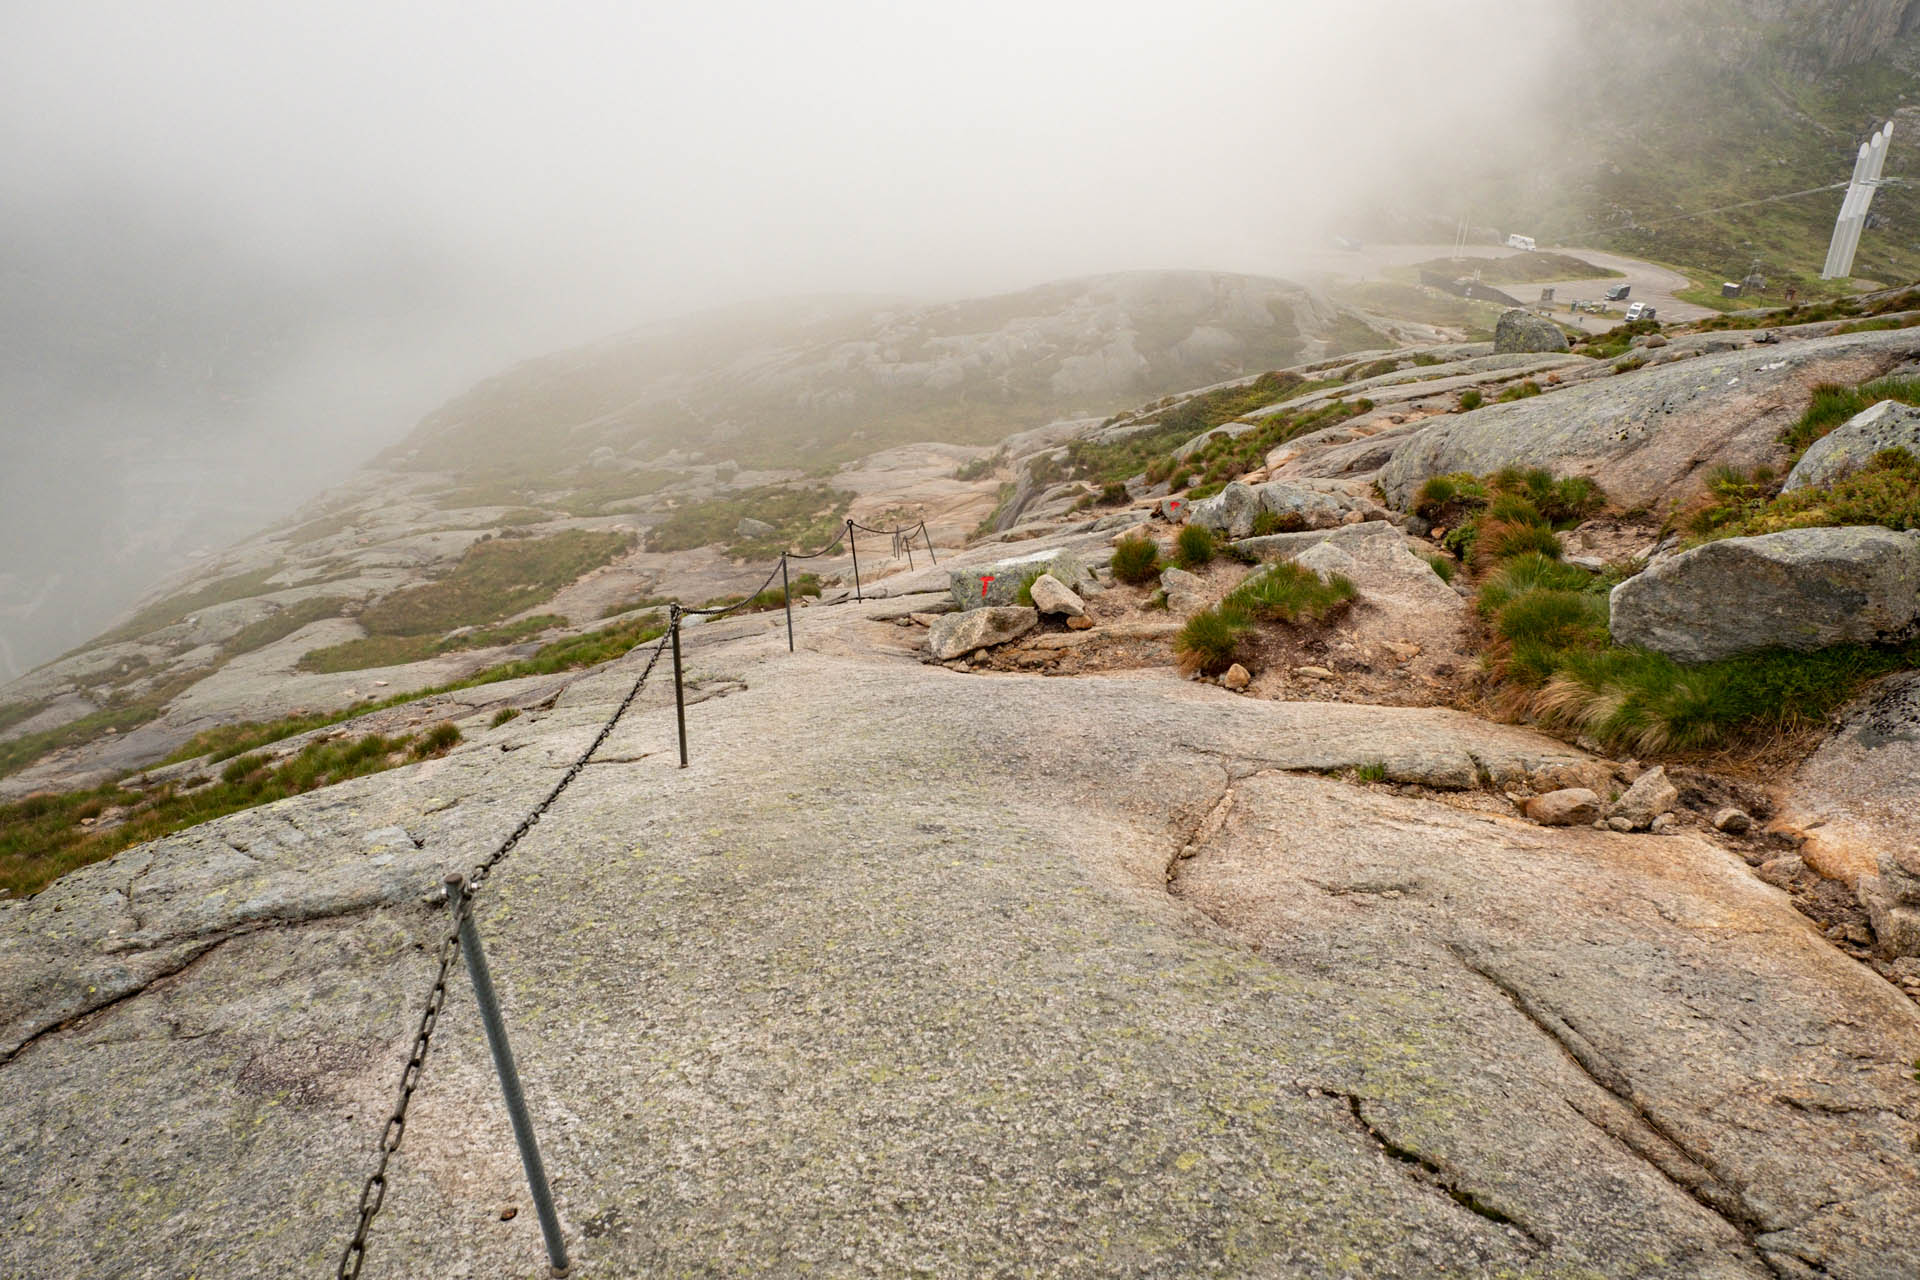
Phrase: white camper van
[1523,243]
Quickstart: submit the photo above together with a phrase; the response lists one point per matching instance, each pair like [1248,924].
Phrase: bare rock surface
[1855,798]
[847,995]
[1799,589]
[1648,437]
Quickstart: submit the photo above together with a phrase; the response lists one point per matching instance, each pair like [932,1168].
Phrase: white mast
[1868,167]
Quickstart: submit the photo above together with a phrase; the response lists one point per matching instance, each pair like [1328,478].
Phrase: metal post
[929,538]
[489,1002]
[679,689]
[786,589]
[909,546]
[856,562]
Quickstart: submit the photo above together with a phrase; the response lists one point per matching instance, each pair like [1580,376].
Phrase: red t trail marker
[985,578]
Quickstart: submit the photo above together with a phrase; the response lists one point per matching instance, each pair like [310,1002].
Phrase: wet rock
[1570,807]
[962,633]
[1520,330]
[1801,589]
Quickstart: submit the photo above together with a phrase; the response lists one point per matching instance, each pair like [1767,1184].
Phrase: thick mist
[247,245]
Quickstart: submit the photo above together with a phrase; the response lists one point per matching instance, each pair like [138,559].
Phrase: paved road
[1650,283]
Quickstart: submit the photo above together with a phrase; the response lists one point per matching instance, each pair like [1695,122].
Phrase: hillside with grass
[1713,107]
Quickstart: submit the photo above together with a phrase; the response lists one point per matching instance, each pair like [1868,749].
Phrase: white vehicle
[1523,243]
[1639,311]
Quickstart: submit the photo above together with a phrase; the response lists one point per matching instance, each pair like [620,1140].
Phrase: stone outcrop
[1430,1033]
[1520,330]
[998,583]
[1852,444]
[1852,803]
[1186,592]
[1649,436]
[1800,589]
[957,634]
[1230,511]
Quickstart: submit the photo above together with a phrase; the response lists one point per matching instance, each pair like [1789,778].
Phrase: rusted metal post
[679,686]
[786,589]
[856,562]
[503,1066]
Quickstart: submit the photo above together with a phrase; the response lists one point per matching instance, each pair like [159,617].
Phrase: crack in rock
[1429,1172]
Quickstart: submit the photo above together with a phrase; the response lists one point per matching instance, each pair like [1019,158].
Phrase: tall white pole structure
[1867,168]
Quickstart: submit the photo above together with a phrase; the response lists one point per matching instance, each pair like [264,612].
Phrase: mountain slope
[820,382]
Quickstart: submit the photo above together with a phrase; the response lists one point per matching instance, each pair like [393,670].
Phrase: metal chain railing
[373,1193]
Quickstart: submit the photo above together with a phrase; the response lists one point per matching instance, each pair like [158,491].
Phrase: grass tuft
[1136,560]
[1195,547]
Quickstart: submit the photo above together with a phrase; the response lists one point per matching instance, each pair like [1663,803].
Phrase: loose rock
[1735,822]
[1050,595]
[1650,796]
[1571,807]
[1237,677]
[957,634]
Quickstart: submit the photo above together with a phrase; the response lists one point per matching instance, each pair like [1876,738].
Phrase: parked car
[1639,311]
[1520,242]
[1619,293]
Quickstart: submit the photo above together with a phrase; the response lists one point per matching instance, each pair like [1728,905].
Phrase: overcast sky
[248,244]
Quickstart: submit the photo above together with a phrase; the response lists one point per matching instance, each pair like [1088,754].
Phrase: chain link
[374,1192]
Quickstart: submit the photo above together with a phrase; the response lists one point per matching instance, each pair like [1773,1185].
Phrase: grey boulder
[1852,444]
[1801,589]
[1186,593]
[1569,807]
[958,634]
[1521,330]
[1230,511]
[751,528]
[989,585]
[1050,595]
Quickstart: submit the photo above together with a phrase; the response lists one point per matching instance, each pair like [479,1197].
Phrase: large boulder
[1520,330]
[1229,512]
[1304,508]
[1648,436]
[1850,446]
[958,634]
[1802,589]
[989,585]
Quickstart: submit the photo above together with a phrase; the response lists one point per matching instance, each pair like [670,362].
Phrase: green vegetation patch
[1885,492]
[803,519]
[1550,656]
[392,651]
[42,837]
[1214,639]
[1194,547]
[118,716]
[279,626]
[1833,405]
[166,612]
[1136,560]
[496,578]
